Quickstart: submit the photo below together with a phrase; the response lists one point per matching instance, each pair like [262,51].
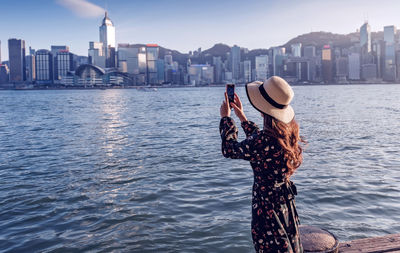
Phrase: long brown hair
[288,138]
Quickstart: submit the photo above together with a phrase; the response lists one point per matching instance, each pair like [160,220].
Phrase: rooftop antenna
[106,7]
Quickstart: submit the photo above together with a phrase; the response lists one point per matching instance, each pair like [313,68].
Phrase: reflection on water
[123,170]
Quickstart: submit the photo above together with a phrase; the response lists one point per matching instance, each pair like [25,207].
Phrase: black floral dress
[274,225]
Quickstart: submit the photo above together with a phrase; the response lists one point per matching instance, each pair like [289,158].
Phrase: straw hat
[272,97]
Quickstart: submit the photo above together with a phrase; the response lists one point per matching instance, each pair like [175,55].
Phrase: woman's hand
[238,107]
[225,110]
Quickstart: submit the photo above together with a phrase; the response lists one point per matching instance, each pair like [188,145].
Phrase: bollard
[315,239]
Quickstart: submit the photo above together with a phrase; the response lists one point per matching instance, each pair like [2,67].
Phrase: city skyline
[72,22]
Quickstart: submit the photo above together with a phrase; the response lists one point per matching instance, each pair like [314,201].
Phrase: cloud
[82,8]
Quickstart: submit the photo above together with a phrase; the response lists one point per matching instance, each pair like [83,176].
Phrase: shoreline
[178,86]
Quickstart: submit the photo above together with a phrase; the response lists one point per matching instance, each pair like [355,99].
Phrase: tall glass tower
[16,54]
[235,54]
[107,37]
[365,37]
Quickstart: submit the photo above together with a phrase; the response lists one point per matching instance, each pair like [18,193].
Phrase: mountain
[217,50]
[318,39]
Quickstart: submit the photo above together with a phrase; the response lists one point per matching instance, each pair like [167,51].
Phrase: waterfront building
[310,54]
[327,64]
[354,66]
[390,56]
[309,51]
[55,49]
[235,60]
[247,71]
[169,69]
[160,70]
[64,63]
[365,38]
[228,76]
[89,75]
[80,60]
[4,74]
[168,59]
[44,66]
[342,69]
[151,63]
[368,72]
[177,76]
[217,63]
[128,58]
[378,49]
[261,67]
[278,55]
[296,49]
[142,61]
[201,74]
[96,54]
[107,38]
[30,67]
[17,65]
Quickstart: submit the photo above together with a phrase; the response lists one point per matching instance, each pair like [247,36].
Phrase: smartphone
[230,90]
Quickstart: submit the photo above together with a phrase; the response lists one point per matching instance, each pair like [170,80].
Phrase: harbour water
[130,171]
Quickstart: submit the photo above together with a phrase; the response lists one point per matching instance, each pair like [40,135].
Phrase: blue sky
[186,24]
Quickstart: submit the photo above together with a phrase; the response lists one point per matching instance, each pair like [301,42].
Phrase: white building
[261,67]
[296,50]
[107,36]
[96,54]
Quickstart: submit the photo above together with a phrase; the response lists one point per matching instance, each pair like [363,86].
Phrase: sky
[186,25]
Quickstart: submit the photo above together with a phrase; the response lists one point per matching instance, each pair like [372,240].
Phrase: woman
[274,154]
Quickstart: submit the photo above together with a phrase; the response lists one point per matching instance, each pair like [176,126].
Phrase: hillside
[318,39]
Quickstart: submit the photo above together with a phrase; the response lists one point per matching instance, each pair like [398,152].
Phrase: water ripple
[126,171]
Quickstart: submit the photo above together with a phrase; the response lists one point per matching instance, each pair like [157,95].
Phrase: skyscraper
[151,62]
[95,54]
[217,63]
[235,54]
[327,66]
[247,71]
[278,54]
[261,67]
[128,56]
[309,51]
[30,67]
[59,71]
[4,74]
[16,55]
[44,66]
[365,38]
[354,66]
[55,49]
[296,49]
[107,37]
[64,62]
[390,56]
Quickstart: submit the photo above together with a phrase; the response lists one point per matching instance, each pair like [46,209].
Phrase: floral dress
[274,225]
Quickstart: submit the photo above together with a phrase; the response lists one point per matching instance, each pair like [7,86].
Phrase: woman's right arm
[231,148]
[249,127]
